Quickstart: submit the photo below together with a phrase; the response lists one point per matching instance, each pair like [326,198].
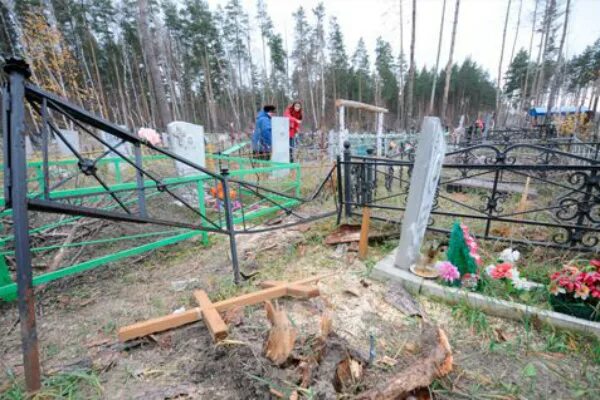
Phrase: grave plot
[561,214]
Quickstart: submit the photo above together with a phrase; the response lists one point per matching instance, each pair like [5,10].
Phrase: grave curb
[385,270]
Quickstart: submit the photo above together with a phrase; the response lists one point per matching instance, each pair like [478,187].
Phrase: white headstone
[423,184]
[70,136]
[187,141]
[280,143]
[28,146]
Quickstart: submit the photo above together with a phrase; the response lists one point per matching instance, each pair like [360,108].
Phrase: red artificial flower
[595,263]
[503,270]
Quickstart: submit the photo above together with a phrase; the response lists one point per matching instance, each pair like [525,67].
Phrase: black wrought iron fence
[521,193]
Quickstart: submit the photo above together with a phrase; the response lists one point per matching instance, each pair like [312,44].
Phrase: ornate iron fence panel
[520,193]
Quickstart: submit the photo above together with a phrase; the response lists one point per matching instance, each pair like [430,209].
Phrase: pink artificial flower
[582,292]
[477,259]
[150,135]
[447,271]
[503,270]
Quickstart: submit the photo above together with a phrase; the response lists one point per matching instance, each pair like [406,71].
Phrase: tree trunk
[152,63]
[17,42]
[411,71]
[555,79]
[514,46]
[401,115]
[449,65]
[437,60]
[524,94]
[547,28]
[499,82]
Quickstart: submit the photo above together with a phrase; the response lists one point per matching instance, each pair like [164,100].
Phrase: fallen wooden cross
[209,311]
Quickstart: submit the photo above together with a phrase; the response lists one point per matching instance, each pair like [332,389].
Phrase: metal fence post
[347,192]
[340,200]
[370,178]
[230,226]
[137,150]
[18,71]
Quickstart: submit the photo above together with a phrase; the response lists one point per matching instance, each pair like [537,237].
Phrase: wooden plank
[251,298]
[159,324]
[303,291]
[294,290]
[360,106]
[171,321]
[212,318]
[363,243]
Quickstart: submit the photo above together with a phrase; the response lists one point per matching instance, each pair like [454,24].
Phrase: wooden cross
[209,311]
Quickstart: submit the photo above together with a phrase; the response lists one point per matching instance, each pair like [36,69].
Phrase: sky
[479,32]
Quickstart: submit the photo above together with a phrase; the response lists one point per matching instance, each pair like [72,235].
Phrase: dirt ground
[78,319]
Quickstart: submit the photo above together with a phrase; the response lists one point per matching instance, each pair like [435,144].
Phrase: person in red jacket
[294,113]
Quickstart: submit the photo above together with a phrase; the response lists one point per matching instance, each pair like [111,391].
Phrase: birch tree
[437,60]
[411,70]
[448,72]
[160,96]
[499,82]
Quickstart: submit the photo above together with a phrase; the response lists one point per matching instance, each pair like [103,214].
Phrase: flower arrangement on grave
[576,291]
[461,268]
[506,269]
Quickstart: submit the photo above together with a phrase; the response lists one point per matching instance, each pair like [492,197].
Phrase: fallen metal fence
[84,188]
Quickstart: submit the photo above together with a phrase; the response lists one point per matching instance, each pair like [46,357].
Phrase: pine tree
[338,60]
[361,68]
[385,68]
[515,77]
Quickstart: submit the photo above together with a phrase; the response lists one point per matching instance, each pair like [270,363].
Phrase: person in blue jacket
[261,138]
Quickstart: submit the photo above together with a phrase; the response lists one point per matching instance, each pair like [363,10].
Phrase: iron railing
[485,185]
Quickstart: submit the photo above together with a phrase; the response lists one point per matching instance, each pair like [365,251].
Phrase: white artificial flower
[510,255]
[489,269]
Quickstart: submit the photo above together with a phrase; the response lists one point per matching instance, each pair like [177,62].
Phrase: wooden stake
[363,244]
[171,321]
[212,318]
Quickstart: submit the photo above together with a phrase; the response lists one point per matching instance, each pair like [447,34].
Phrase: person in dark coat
[262,136]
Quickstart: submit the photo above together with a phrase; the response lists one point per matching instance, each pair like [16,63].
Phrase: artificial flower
[150,135]
[503,270]
[595,264]
[447,271]
[582,292]
[510,255]
[556,289]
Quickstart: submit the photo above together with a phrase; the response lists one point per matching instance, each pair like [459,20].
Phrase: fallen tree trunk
[435,363]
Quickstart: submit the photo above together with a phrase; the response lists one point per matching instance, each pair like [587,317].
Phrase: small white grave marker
[280,143]
[187,141]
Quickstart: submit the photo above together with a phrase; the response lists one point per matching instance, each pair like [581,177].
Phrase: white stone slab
[423,185]
[280,143]
[70,136]
[187,141]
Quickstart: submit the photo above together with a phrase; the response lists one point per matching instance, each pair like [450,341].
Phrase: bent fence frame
[15,94]
[8,289]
